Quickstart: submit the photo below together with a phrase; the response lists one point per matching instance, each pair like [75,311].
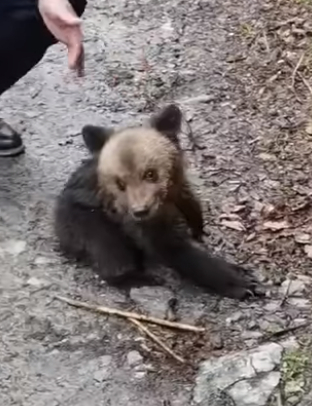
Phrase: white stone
[38,283]
[43,260]
[300,303]
[293,287]
[254,392]
[153,299]
[248,375]
[101,375]
[12,247]
[140,374]
[266,357]
[134,358]
[105,360]
[272,306]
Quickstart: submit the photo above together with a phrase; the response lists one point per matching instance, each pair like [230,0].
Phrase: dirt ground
[240,72]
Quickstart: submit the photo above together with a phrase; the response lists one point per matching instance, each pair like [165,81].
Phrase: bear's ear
[95,137]
[168,122]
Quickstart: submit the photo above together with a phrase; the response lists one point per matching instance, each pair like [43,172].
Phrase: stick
[293,76]
[281,333]
[304,80]
[284,300]
[130,315]
[141,327]
[279,398]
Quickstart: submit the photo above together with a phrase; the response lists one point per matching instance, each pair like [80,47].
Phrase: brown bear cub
[130,201]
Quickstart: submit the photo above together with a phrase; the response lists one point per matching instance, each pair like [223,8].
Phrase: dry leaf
[303,238]
[308,250]
[267,157]
[275,225]
[238,208]
[234,225]
[251,237]
[229,216]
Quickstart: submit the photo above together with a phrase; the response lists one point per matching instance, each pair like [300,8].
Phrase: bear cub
[130,201]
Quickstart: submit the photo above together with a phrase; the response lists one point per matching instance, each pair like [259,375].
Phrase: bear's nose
[140,212]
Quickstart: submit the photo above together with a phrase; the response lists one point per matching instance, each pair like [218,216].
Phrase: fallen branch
[281,333]
[130,315]
[152,336]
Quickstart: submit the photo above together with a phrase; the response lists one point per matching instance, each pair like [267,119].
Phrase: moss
[294,368]
[247,30]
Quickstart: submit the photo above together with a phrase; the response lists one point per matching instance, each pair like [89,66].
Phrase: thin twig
[283,301]
[152,336]
[293,76]
[283,332]
[130,315]
[279,398]
[306,82]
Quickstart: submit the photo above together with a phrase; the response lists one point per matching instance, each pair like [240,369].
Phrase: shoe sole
[12,152]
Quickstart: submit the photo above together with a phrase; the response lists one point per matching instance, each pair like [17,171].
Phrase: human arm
[64,24]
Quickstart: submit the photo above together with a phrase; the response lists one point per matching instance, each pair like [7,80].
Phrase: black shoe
[11,143]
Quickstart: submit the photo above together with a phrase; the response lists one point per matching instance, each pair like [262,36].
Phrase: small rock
[309,129]
[66,142]
[246,335]
[43,261]
[272,307]
[303,238]
[134,358]
[101,375]
[266,357]
[153,299]
[299,322]
[293,287]
[234,318]
[13,247]
[267,157]
[38,283]
[216,342]
[305,279]
[203,98]
[275,225]
[150,368]
[270,326]
[255,392]
[252,324]
[308,250]
[105,360]
[300,303]
[140,374]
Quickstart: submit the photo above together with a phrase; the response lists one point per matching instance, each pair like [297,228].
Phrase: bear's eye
[120,184]
[151,175]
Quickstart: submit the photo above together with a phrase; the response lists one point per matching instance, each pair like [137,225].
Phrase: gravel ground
[240,72]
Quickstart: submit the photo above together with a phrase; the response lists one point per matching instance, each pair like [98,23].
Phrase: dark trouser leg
[24,40]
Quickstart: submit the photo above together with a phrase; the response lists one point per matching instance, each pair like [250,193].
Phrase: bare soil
[240,70]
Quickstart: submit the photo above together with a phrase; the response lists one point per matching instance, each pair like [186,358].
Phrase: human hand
[62,21]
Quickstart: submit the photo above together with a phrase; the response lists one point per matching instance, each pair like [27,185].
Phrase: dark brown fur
[130,200]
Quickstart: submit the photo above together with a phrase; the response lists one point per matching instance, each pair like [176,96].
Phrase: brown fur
[127,202]
[127,158]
